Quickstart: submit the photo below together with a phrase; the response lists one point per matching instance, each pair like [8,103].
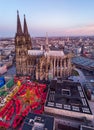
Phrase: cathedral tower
[22,45]
[27,35]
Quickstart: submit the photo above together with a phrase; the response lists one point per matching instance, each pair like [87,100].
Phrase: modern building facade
[41,64]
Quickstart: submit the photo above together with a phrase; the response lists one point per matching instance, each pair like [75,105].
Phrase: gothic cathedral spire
[25,26]
[47,44]
[19,28]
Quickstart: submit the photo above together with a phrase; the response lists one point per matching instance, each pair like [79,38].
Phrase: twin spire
[19,28]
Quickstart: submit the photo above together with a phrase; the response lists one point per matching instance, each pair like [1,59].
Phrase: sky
[57,17]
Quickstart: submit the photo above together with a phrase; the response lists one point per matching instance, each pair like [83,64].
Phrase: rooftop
[38,122]
[46,53]
[54,53]
[68,96]
[35,52]
[84,62]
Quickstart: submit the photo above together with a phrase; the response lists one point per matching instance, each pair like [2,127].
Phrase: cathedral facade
[40,64]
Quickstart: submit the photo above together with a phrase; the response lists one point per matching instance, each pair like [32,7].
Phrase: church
[39,64]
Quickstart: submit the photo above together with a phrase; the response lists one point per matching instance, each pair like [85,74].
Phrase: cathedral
[39,64]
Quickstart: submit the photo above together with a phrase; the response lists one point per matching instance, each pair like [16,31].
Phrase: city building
[40,64]
[67,98]
[38,122]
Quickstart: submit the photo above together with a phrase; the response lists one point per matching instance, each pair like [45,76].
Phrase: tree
[18,83]
[28,95]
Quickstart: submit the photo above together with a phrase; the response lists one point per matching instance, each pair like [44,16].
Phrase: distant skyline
[57,17]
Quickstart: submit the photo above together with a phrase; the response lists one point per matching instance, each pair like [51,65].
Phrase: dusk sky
[57,17]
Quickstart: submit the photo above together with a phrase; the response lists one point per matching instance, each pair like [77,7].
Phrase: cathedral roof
[46,53]
[54,53]
[35,52]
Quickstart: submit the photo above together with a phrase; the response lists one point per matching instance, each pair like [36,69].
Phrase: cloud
[53,31]
[61,31]
[81,30]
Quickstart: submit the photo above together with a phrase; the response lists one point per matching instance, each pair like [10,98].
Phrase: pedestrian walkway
[81,78]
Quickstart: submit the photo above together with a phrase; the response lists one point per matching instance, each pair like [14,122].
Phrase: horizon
[59,18]
[78,36]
